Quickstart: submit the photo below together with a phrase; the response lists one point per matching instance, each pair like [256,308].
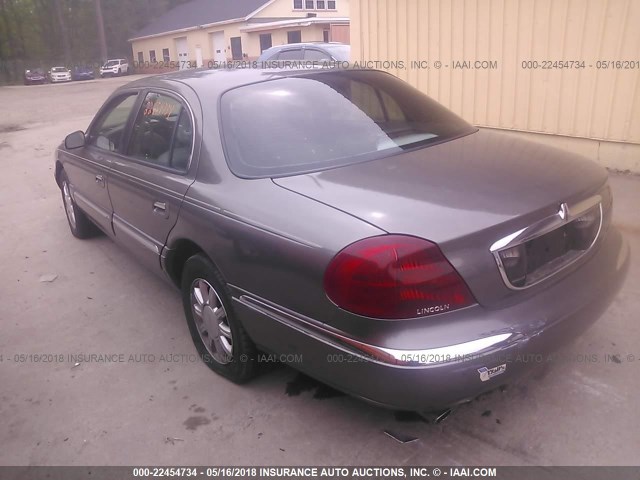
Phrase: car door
[148,183]
[87,167]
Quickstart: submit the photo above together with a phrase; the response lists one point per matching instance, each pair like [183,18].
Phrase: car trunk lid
[464,195]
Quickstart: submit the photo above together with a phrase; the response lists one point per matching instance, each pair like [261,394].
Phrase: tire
[207,301]
[79,224]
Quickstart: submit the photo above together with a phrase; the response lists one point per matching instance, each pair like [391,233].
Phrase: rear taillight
[395,277]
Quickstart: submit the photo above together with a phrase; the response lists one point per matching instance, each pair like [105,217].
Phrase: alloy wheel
[211,321]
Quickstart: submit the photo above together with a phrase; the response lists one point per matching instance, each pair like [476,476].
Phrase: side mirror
[74,140]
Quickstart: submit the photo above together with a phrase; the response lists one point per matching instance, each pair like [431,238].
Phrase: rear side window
[311,54]
[162,132]
[108,131]
[295,54]
[324,120]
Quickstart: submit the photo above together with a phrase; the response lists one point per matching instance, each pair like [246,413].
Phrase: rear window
[325,120]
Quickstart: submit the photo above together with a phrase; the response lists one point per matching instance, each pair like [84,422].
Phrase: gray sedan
[350,225]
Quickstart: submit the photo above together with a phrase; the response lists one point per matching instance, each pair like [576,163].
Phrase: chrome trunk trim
[565,215]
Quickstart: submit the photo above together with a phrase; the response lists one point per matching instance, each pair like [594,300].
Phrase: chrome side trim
[99,214]
[565,215]
[381,355]
[138,237]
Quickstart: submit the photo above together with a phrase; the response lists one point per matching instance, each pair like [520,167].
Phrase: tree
[44,33]
[64,33]
[102,39]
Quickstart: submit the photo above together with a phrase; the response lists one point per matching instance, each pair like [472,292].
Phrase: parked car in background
[59,74]
[82,73]
[117,66]
[349,224]
[33,76]
[311,52]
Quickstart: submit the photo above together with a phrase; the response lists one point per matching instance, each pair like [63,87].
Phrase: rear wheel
[220,339]
[79,223]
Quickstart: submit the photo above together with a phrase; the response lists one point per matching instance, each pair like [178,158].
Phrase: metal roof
[200,12]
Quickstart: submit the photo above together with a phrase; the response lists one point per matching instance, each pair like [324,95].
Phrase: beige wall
[250,41]
[284,8]
[601,106]
[203,39]
[156,44]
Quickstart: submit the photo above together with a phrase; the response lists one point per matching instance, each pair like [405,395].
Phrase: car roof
[212,83]
[306,44]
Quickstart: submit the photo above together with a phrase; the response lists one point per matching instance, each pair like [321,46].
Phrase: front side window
[162,133]
[108,131]
[324,120]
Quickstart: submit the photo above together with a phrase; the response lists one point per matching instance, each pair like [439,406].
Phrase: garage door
[183,52]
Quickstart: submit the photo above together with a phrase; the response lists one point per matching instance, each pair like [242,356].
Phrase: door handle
[160,208]
[100,179]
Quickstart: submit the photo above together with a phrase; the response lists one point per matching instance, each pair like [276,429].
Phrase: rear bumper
[413,379]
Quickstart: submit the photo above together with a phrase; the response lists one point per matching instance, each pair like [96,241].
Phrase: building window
[140,57]
[152,56]
[265,42]
[166,58]
[294,37]
[314,4]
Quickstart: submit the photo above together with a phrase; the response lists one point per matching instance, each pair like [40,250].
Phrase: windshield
[324,120]
[58,69]
[112,63]
[342,53]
